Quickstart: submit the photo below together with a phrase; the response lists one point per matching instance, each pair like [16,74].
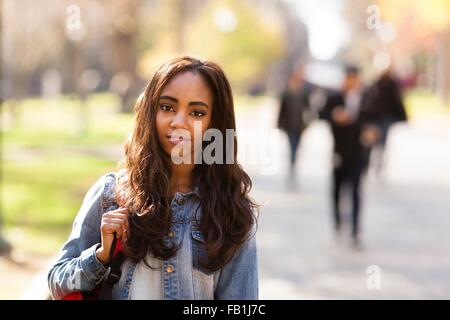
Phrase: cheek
[205,125]
[161,125]
[206,122]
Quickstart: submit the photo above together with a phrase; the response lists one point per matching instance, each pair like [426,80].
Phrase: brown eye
[165,107]
[198,114]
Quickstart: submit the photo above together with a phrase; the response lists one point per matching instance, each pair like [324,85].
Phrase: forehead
[188,85]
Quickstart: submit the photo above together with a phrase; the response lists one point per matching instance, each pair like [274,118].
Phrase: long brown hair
[228,213]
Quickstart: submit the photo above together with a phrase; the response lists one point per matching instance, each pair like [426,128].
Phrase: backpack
[103,291]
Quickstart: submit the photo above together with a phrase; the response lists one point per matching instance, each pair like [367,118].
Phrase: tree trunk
[443,67]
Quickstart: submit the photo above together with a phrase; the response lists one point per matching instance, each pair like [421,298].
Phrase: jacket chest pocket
[198,248]
[203,278]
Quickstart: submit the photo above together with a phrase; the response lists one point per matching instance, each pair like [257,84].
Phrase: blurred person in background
[387,108]
[293,116]
[5,247]
[353,134]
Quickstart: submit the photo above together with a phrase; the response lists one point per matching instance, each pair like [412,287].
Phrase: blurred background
[72,70]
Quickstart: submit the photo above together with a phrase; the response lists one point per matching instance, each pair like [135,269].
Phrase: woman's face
[185,100]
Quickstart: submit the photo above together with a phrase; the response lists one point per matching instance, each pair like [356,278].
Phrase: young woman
[187,227]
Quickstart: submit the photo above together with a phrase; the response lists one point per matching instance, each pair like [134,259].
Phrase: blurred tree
[430,23]
[240,35]
[5,247]
[243,36]
[443,66]
[26,47]
[124,23]
[295,36]
[362,45]
[163,36]
[124,40]
[414,35]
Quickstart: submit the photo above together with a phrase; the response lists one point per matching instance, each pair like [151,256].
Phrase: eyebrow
[191,103]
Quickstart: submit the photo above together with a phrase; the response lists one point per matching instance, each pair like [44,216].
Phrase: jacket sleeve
[399,106]
[368,111]
[281,121]
[238,279]
[330,104]
[77,267]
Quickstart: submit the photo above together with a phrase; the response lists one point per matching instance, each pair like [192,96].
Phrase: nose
[179,121]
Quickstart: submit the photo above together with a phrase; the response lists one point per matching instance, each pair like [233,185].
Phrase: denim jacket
[78,269]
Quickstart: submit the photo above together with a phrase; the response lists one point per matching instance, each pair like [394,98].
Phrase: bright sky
[326,26]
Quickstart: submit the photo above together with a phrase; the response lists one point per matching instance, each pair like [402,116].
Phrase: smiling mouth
[176,139]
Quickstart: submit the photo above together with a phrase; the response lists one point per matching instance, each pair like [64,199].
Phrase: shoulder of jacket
[109,191]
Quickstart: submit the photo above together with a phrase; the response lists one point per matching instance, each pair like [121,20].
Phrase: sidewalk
[21,273]
[405,221]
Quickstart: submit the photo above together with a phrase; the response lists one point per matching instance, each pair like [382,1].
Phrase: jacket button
[181,201]
[171,234]
[169,268]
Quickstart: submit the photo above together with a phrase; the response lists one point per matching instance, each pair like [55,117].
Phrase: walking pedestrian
[388,109]
[353,135]
[293,116]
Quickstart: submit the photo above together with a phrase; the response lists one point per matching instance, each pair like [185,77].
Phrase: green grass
[49,163]
[48,190]
[41,197]
[422,103]
[42,123]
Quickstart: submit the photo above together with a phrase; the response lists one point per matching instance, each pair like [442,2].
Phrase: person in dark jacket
[388,109]
[353,134]
[293,115]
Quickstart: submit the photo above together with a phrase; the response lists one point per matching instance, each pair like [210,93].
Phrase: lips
[177,139]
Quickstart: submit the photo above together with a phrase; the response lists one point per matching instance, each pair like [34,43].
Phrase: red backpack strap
[104,291]
[116,257]
[73,296]
[119,248]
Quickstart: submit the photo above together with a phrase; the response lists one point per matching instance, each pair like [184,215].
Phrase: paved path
[405,223]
